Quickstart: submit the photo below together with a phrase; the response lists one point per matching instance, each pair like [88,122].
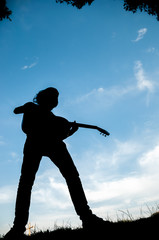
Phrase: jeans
[60,156]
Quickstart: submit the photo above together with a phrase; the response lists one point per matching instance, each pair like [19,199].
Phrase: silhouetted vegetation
[149,6]
[143,228]
[4,10]
[77,3]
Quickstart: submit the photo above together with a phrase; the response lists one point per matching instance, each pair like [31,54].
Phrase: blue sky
[105,63]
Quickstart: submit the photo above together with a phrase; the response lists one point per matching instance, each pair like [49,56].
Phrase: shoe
[93,222]
[14,234]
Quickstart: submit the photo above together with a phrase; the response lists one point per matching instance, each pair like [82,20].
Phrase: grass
[125,229]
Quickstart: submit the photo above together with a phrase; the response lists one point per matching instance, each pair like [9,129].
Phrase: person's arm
[19,110]
[23,108]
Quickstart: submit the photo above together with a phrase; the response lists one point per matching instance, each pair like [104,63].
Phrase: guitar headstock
[103,132]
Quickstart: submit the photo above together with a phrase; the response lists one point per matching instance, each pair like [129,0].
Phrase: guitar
[103,132]
[36,123]
[64,126]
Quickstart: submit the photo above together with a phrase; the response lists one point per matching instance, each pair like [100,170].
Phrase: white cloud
[150,160]
[105,96]
[29,66]
[108,96]
[105,193]
[7,194]
[141,33]
[151,50]
[124,151]
[121,189]
[51,192]
[33,64]
[129,190]
[142,82]
[60,187]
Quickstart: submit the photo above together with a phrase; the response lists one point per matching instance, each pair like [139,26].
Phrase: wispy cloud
[149,160]
[152,50]
[51,191]
[31,65]
[141,33]
[7,194]
[142,82]
[109,96]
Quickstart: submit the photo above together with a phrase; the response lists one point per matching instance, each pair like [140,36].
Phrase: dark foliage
[4,10]
[77,3]
[149,6]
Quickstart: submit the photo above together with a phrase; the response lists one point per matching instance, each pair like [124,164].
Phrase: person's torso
[43,125]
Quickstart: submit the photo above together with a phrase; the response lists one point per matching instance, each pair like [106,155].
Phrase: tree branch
[4,11]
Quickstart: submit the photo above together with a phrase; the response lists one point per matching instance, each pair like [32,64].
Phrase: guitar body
[62,127]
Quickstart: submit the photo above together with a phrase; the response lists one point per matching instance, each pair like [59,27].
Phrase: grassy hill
[137,229]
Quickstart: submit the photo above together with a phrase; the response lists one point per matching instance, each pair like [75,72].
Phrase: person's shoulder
[29,106]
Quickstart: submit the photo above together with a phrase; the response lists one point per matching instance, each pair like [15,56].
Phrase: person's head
[47,98]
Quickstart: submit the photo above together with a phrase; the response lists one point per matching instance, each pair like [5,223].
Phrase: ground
[137,229]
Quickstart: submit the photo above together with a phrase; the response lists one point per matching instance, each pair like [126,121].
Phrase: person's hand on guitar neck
[73,128]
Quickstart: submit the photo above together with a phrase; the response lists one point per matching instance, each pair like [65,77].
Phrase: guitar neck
[85,125]
[102,131]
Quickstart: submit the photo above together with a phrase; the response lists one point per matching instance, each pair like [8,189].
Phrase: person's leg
[28,171]
[64,162]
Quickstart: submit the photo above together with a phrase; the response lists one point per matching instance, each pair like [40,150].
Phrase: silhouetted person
[45,133]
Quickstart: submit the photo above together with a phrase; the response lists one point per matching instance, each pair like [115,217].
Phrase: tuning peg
[103,134]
